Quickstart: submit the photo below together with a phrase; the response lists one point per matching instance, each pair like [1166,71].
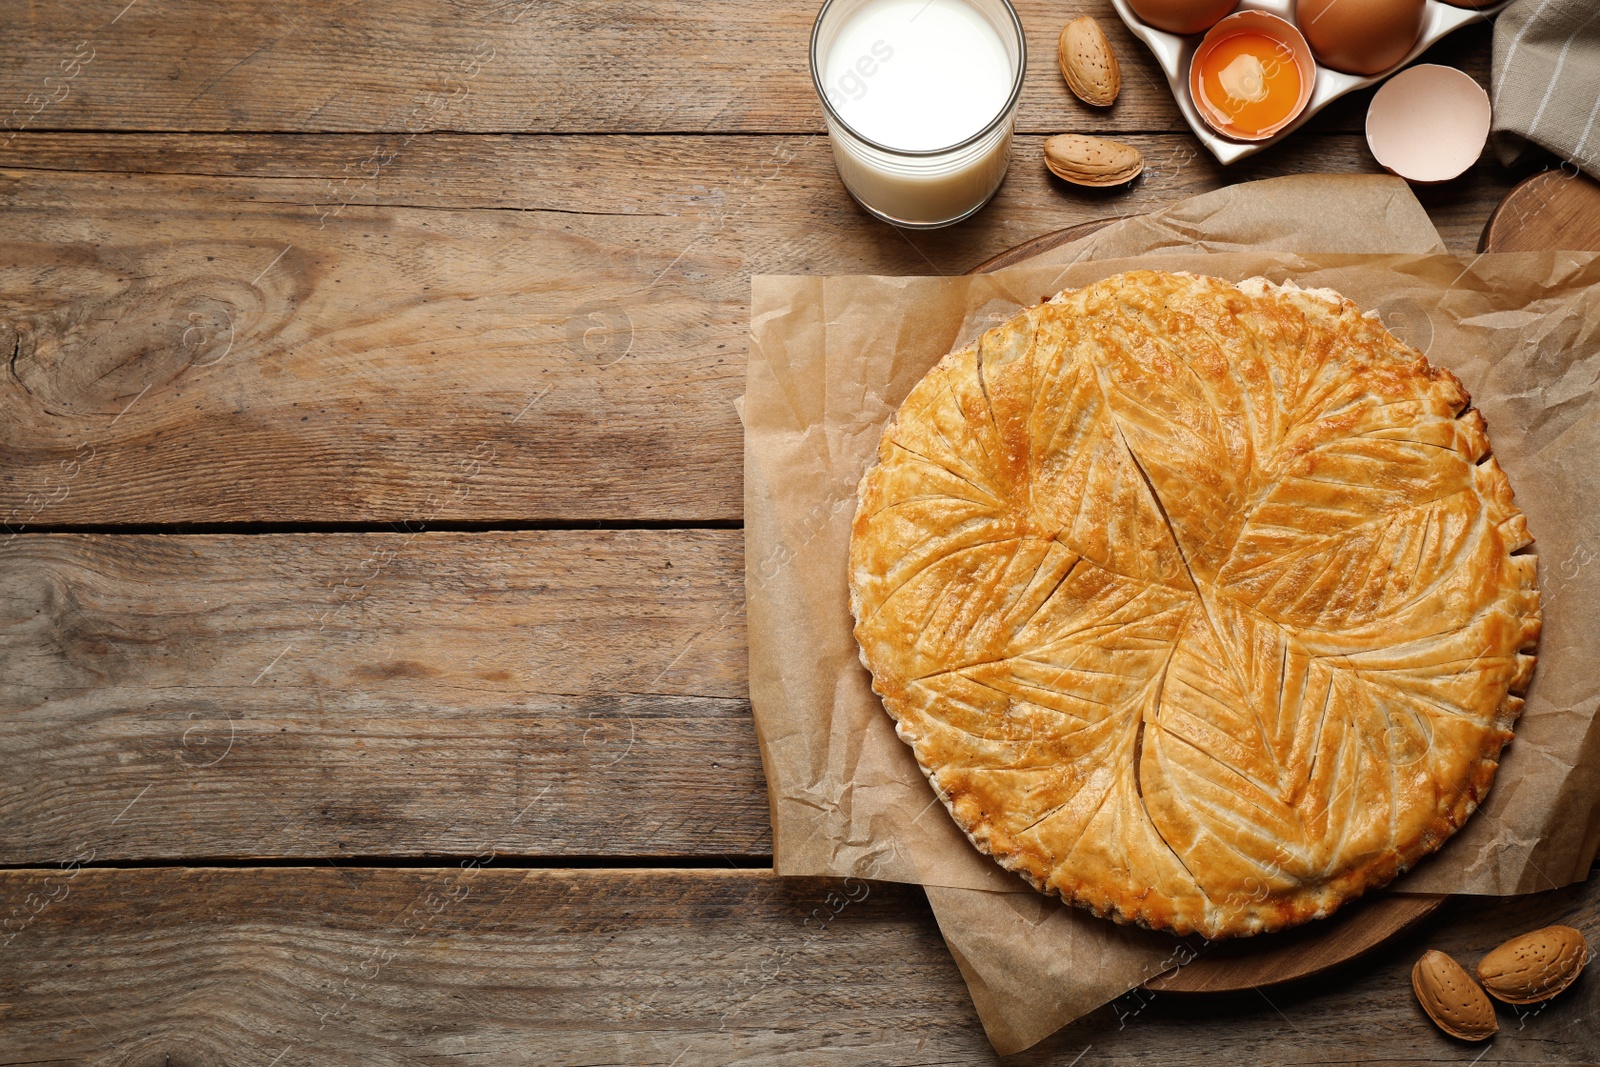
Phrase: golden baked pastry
[1203,606]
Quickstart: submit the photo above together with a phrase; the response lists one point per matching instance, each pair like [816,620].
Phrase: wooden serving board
[1553,209]
[1541,211]
[1027,250]
[1302,952]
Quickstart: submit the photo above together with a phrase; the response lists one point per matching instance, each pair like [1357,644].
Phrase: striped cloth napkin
[1546,80]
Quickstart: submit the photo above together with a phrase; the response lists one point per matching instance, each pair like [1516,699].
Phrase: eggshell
[1360,36]
[1182,16]
[1263,22]
[1428,123]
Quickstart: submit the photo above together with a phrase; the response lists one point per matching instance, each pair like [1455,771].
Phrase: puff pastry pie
[1202,605]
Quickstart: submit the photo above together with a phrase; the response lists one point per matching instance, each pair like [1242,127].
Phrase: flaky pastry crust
[1204,606]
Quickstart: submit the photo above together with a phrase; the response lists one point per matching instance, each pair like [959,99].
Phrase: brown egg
[1360,36]
[1182,16]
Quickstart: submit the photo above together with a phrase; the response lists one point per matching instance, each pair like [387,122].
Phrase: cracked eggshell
[1428,123]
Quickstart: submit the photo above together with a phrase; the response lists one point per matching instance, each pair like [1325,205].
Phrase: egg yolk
[1250,80]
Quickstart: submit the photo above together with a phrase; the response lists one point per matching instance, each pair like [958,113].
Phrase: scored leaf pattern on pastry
[1201,605]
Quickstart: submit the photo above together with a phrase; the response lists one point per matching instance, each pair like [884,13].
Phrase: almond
[1452,999]
[1088,63]
[1092,160]
[1535,966]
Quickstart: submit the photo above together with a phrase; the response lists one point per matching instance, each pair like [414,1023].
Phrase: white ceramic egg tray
[1174,52]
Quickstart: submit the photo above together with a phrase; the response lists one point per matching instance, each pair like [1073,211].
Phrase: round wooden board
[1553,209]
[1247,963]
[1021,254]
[1305,951]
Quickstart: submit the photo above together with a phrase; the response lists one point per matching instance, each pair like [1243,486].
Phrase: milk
[918,74]
[907,82]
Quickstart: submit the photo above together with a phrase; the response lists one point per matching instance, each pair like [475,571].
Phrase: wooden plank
[294,966]
[543,694]
[482,332]
[506,66]
[760,182]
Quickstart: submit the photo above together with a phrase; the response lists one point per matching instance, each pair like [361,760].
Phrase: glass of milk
[920,98]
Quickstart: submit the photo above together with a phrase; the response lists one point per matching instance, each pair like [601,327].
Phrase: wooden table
[371,592]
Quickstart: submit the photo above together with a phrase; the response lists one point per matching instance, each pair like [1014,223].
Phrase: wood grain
[504,66]
[351,965]
[482,304]
[315,311]
[1556,208]
[1303,952]
[1045,242]
[543,694]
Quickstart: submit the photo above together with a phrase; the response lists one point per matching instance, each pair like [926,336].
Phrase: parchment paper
[831,358]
